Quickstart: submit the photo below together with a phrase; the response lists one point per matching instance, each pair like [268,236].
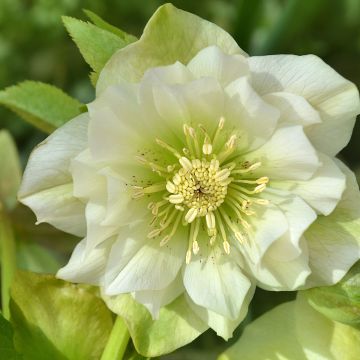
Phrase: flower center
[200,184]
[203,187]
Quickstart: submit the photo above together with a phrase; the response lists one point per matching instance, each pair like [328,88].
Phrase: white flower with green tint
[199,172]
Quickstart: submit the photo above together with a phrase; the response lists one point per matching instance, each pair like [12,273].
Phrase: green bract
[340,302]
[170,35]
[176,326]
[292,331]
[56,320]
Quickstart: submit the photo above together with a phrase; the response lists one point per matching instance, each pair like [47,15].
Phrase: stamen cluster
[203,188]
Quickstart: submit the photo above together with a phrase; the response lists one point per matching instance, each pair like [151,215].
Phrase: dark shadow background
[34,45]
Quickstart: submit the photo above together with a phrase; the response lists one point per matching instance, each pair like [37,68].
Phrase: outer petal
[223,326]
[294,109]
[299,217]
[214,63]
[170,35]
[83,267]
[154,300]
[336,99]
[46,185]
[277,275]
[323,191]
[287,155]
[333,240]
[145,265]
[263,233]
[270,337]
[216,282]
[176,326]
[294,330]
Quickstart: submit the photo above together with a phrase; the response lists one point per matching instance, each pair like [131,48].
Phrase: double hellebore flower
[201,172]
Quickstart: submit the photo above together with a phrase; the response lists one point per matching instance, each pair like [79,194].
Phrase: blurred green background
[34,45]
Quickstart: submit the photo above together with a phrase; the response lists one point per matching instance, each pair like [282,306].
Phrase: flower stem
[117,342]
[8,260]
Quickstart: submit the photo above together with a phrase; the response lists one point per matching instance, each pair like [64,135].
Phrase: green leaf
[55,320]
[176,326]
[7,349]
[340,302]
[101,23]
[42,105]
[95,44]
[36,258]
[10,174]
[295,330]
[170,35]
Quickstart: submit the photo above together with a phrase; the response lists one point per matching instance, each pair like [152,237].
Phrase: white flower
[200,179]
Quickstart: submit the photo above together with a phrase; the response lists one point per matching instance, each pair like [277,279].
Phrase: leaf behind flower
[42,105]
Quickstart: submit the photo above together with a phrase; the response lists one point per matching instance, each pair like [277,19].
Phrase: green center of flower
[215,189]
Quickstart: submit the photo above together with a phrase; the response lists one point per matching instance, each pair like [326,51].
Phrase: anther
[176,198]
[191,215]
[170,187]
[185,163]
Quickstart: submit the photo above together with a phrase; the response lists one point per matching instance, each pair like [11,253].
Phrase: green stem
[117,342]
[8,260]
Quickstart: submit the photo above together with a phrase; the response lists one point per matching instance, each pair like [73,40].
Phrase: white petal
[88,183]
[176,73]
[333,240]
[273,274]
[213,62]
[323,191]
[287,155]
[121,208]
[95,232]
[267,226]
[250,114]
[335,98]
[223,326]
[115,125]
[58,207]
[214,281]
[86,268]
[149,267]
[154,300]
[48,167]
[299,216]
[294,109]
[170,106]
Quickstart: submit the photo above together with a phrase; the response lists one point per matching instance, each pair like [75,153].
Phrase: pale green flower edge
[170,35]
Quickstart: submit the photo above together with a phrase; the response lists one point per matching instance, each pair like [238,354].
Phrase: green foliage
[7,348]
[340,302]
[176,326]
[95,44]
[102,24]
[61,320]
[10,174]
[42,105]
